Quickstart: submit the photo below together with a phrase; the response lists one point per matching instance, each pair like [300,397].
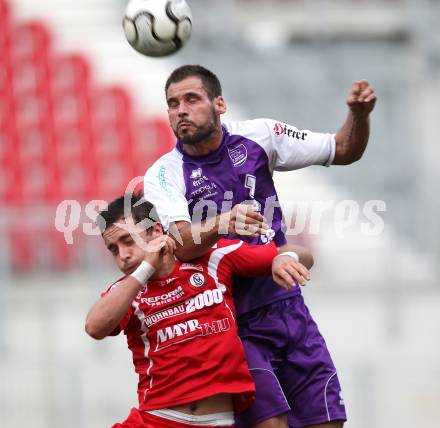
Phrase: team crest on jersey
[197,279]
[196,173]
[191,266]
[238,154]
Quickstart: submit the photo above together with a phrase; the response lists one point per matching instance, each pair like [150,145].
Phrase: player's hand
[361,99]
[157,248]
[285,271]
[245,220]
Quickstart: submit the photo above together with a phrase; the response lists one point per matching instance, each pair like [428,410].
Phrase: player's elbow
[307,260]
[94,330]
[183,254]
[346,156]
[353,157]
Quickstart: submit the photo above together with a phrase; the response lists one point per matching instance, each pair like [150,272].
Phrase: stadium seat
[71,142]
[5,14]
[74,181]
[8,168]
[111,104]
[70,107]
[112,140]
[34,143]
[29,76]
[31,40]
[70,72]
[152,138]
[112,178]
[7,116]
[22,253]
[31,108]
[62,254]
[62,136]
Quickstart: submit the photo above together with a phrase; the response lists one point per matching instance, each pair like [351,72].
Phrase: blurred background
[81,113]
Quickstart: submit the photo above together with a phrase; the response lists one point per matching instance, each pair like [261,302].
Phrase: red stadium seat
[62,254]
[29,76]
[32,108]
[5,13]
[37,182]
[22,251]
[111,140]
[31,40]
[74,180]
[152,138]
[72,142]
[7,112]
[69,73]
[62,137]
[8,167]
[70,107]
[112,178]
[111,104]
[34,144]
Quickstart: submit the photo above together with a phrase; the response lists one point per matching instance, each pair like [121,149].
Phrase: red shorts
[138,419]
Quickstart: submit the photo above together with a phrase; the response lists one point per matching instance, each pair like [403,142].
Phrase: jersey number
[250,182]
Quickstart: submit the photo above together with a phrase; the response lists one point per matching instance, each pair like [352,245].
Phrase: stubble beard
[201,133]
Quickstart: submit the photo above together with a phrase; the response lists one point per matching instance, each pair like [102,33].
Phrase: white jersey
[186,188]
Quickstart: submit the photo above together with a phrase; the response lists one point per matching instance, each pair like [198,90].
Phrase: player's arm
[292,266]
[196,239]
[164,188]
[284,263]
[352,137]
[106,315]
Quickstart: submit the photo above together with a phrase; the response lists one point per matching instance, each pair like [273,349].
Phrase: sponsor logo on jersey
[161,176]
[164,298]
[200,181]
[196,173]
[168,281]
[280,129]
[208,189]
[197,280]
[238,154]
[165,314]
[191,266]
[203,300]
[188,330]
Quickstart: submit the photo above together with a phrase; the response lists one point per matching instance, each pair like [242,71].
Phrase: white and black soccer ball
[157,27]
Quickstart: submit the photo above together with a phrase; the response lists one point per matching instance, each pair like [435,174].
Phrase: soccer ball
[157,27]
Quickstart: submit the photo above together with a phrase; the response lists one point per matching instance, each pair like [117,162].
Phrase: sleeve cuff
[332,150]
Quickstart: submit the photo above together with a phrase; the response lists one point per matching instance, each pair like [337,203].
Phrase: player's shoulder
[222,247]
[253,128]
[169,162]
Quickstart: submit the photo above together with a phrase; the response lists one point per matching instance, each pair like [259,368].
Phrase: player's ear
[219,105]
[156,230]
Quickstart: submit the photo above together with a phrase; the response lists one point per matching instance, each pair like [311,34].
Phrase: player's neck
[166,267]
[206,146]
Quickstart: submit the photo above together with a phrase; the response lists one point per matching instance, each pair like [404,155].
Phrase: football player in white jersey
[216,165]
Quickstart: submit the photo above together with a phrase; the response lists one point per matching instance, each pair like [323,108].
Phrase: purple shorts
[291,366]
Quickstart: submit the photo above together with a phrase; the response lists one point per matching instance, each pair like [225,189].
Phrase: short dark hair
[209,79]
[140,209]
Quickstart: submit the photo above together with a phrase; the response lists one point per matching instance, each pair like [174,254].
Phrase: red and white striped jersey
[182,333]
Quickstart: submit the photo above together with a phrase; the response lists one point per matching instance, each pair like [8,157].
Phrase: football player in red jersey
[179,318]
